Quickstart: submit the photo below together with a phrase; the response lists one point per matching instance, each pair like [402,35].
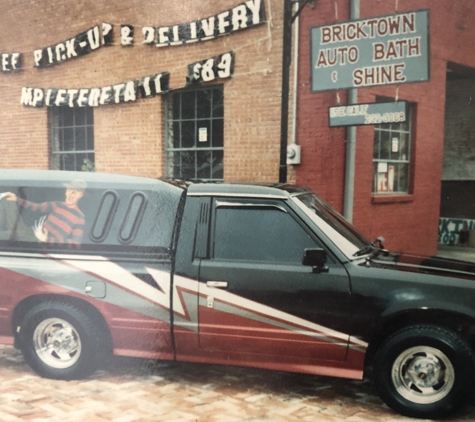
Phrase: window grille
[72,137]
[392,156]
[194,133]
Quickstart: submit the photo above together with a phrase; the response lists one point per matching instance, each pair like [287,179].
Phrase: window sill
[391,198]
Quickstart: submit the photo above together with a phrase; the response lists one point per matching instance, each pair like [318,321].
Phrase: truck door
[256,297]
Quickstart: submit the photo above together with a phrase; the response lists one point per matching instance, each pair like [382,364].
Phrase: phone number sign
[381,50]
[368,114]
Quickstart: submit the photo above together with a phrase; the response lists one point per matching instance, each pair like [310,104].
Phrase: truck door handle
[217,284]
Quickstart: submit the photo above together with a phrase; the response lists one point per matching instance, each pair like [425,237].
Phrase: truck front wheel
[424,371]
[60,341]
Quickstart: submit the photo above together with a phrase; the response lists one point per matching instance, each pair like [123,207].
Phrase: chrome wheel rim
[423,375]
[57,343]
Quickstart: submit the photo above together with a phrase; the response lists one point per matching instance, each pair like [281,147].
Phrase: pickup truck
[94,265]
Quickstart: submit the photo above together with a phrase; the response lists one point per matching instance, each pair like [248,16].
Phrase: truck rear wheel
[424,371]
[60,341]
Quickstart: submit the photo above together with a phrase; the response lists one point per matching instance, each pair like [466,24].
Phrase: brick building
[193,89]
[437,171]
[74,86]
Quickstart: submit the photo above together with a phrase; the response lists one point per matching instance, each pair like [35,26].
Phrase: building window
[72,137]
[195,127]
[392,156]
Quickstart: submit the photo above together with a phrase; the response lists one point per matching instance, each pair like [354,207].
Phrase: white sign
[395,145]
[203,134]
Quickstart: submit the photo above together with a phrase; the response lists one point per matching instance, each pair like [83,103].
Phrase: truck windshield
[334,225]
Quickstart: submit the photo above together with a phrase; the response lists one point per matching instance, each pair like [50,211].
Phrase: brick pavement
[133,390]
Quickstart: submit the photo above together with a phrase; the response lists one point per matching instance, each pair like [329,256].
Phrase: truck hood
[427,265]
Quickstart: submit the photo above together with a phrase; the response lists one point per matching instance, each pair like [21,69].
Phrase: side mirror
[317,259]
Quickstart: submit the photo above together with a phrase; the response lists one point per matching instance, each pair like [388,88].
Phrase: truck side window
[132,218]
[119,220]
[259,234]
[105,215]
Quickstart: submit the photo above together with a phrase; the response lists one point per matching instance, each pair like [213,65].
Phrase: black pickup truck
[261,276]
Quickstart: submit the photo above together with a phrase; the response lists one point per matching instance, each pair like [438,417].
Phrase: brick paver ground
[139,390]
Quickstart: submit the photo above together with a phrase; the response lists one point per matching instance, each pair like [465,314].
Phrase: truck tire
[424,371]
[60,341]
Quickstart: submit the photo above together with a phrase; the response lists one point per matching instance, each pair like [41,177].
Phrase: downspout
[351,139]
[296,68]
[284,117]
[286,59]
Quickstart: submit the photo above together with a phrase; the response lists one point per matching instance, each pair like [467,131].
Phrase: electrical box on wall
[293,154]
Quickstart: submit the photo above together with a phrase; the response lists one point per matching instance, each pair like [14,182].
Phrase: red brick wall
[129,138]
[408,226]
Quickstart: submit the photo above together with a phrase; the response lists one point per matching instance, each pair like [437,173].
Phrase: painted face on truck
[72,197]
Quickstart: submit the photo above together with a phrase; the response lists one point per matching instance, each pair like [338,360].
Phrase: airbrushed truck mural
[260,276]
[61,222]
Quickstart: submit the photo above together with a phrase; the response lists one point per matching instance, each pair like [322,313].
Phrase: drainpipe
[296,67]
[286,56]
[351,139]
[284,118]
